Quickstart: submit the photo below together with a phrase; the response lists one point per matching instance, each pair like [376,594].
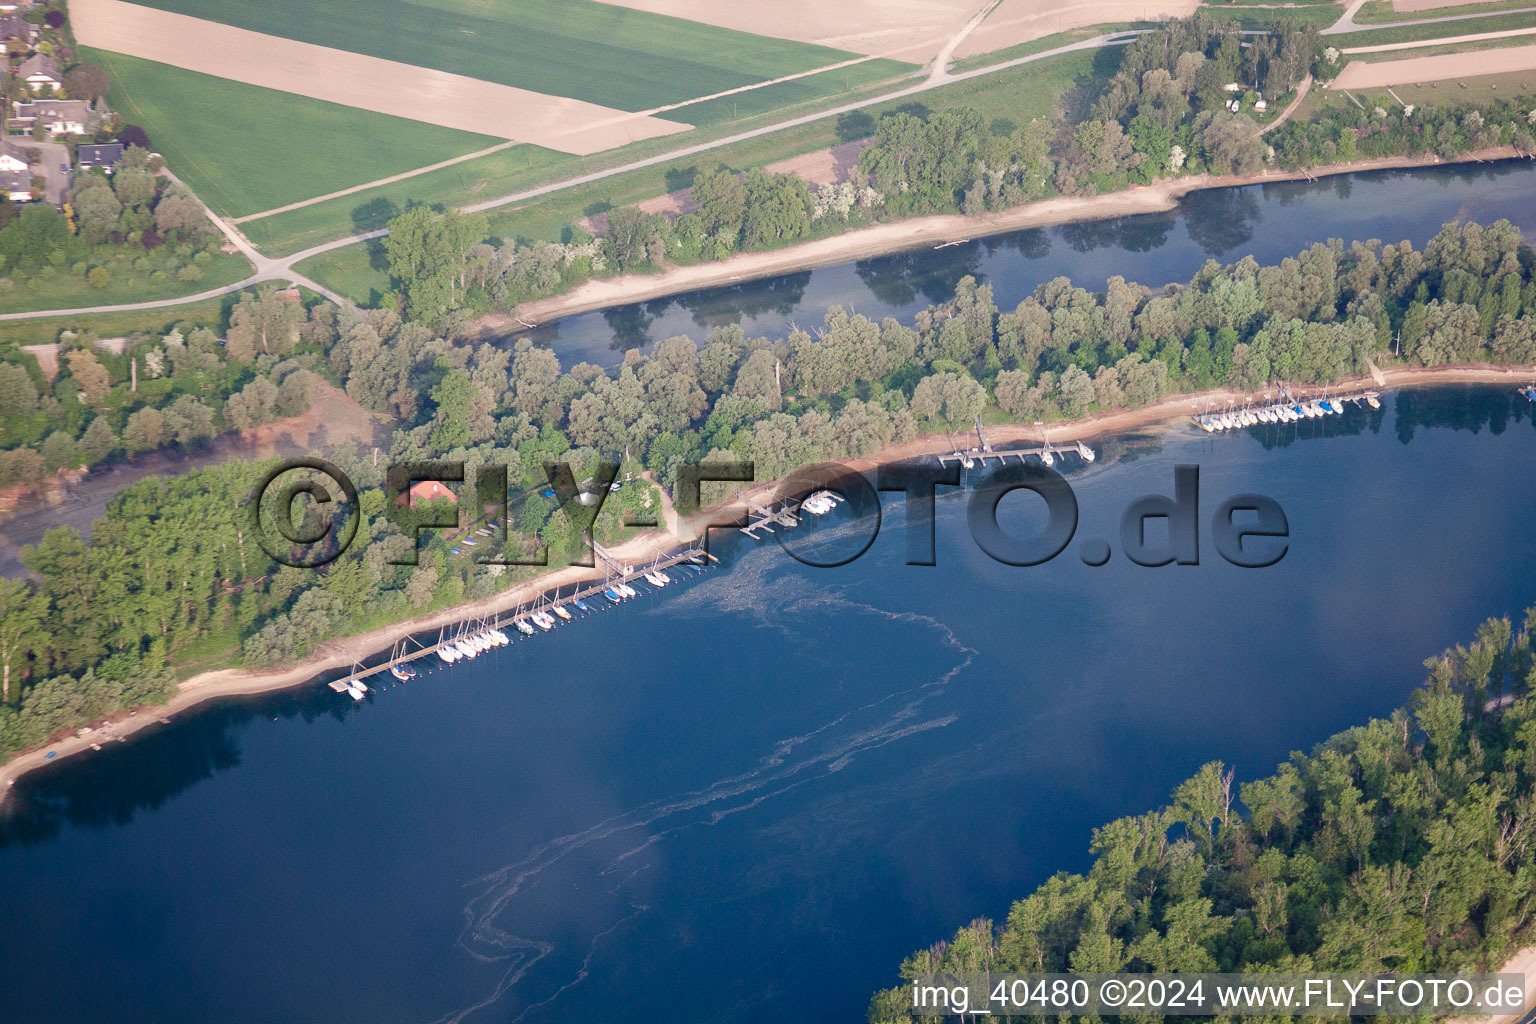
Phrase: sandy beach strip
[344,652]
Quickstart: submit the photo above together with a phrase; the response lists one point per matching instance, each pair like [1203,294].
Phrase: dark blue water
[747,798]
[1270,222]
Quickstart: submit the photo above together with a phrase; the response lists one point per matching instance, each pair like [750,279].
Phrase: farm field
[629,60]
[1364,75]
[827,84]
[245,149]
[1005,100]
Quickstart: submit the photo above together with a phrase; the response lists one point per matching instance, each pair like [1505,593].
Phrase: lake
[746,797]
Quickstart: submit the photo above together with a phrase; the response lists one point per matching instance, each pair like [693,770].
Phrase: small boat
[1375,402]
[398,672]
[628,591]
[612,595]
[654,580]
[1085,453]
[471,542]
[501,638]
[1046,457]
[696,568]
[524,627]
[357,692]
[543,621]
[448,654]
[465,649]
[458,551]
[559,610]
[580,604]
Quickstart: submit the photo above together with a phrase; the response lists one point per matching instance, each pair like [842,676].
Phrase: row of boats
[1287,410]
[475,639]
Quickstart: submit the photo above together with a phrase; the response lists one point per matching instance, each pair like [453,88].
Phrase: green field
[150,281]
[484,177]
[591,51]
[1006,99]
[212,313]
[1378,11]
[801,90]
[245,149]
[1436,30]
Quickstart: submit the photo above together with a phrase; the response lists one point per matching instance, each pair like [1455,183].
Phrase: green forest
[1403,845]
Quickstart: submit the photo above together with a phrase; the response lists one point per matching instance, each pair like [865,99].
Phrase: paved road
[281,269]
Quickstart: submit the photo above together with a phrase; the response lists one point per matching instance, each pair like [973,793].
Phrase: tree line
[1403,845]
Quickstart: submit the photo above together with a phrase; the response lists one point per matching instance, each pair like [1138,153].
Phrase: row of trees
[1403,845]
[181,388]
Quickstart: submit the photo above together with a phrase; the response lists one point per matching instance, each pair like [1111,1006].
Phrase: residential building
[425,491]
[15,28]
[13,157]
[58,117]
[105,156]
[41,73]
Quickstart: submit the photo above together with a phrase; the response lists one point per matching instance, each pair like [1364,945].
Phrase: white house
[12,158]
[58,117]
[41,72]
[15,173]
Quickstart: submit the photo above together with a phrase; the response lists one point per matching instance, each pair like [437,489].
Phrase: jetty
[787,513]
[476,635]
[1285,407]
[1046,454]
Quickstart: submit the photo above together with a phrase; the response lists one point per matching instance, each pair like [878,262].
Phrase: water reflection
[1152,249]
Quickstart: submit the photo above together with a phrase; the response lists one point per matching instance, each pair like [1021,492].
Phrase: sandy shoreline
[341,653]
[882,239]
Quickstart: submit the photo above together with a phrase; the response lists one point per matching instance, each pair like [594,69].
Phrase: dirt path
[654,543]
[1304,87]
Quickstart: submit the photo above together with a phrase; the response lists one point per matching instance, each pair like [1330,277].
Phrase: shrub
[190,272]
[99,277]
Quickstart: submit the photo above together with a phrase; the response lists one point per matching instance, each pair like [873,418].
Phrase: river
[747,797]
[1270,222]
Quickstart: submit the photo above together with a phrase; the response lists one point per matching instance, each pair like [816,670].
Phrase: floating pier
[1047,454]
[787,513]
[1286,408]
[474,636]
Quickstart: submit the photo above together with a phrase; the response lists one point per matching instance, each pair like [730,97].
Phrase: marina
[983,450]
[1283,407]
[787,513]
[470,639]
